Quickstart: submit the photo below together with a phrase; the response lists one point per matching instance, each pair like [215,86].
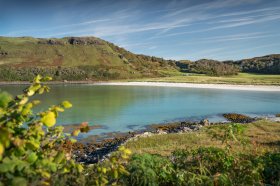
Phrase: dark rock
[238,118]
[84,41]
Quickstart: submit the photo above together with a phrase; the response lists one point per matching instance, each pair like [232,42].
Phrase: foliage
[229,133]
[30,146]
[209,165]
[150,169]
[28,141]
[271,172]
[269,64]
[108,172]
[212,68]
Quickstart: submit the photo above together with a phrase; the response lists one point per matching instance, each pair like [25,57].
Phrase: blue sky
[174,29]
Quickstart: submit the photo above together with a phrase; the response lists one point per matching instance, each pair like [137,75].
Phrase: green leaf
[80,168]
[33,144]
[32,157]
[66,104]
[59,157]
[19,181]
[41,90]
[7,165]
[5,98]
[49,119]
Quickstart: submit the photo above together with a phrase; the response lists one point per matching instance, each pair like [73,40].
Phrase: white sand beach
[192,85]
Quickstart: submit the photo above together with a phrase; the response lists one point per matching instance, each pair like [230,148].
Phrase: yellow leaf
[76,132]
[23,101]
[30,93]
[104,170]
[127,151]
[1,149]
[66,104]
[49,119]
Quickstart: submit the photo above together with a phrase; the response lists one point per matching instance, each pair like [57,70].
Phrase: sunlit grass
[263,135]
[241,78]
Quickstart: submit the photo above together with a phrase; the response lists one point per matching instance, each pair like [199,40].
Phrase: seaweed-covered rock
[238,118]
[277,115]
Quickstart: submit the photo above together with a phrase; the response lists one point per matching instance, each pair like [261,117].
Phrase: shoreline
[268,88]
[89,152]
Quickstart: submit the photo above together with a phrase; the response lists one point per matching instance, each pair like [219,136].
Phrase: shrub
[30,146]
[150,169]
[28,141]
[212,68]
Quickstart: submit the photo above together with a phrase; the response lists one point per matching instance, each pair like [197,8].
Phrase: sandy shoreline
[268,88]
[193,85]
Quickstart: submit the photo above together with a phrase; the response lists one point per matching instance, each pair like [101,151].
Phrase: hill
[269,64]
[74,58]
[91,58]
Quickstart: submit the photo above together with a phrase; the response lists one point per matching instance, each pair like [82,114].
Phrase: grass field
[241,78]
[264,135]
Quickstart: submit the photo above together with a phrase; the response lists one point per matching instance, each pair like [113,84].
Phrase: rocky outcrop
[238,118]
[84,41]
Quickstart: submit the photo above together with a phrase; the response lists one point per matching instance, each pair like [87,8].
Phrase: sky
[172,29]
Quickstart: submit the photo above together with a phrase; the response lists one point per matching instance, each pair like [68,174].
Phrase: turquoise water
[127,108]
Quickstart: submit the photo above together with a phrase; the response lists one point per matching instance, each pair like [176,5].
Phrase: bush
[150,169]
[28,141]
[212,68]
[30,146]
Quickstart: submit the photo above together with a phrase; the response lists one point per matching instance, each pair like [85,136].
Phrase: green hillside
[74,58]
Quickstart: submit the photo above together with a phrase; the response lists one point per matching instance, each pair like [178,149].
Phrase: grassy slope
[264,134]
[30,52]
[24,50]
[241,78]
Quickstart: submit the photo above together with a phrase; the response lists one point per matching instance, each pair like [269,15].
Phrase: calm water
[126,108]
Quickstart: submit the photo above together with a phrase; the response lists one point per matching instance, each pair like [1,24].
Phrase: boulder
[159,131]
[204,122]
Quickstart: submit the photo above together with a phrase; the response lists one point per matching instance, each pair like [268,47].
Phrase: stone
[205,122]
[186,129]
[159,131]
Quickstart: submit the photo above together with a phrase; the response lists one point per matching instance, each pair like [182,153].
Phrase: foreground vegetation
[218,155]
[264,135]
[241,78]
[32,153]
[31,146]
